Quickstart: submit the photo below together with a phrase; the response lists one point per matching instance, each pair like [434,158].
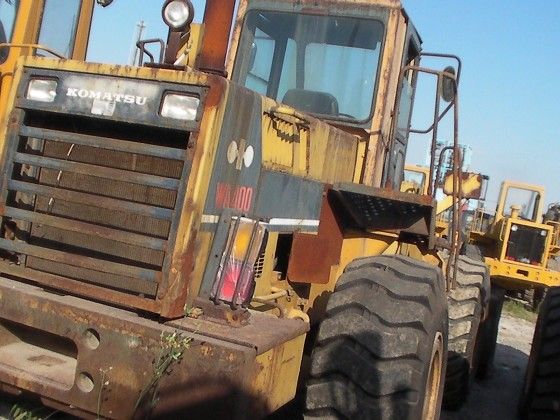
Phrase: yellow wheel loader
[517,246]
[176,237]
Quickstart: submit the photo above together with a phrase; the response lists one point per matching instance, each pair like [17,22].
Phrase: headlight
[543,232]
[180,107]
[514,228]
[42,90]
[177,14]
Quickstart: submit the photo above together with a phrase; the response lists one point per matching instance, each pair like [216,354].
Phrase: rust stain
[312,256]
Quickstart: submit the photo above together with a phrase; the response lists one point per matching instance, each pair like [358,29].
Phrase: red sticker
[238,198]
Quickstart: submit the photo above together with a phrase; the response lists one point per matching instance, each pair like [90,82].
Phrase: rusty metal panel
[90,199]
[103,143]
[261,332]
[105,361]
[86,228]
[412,216]
[78,260]
[81,288]
[312,256]
[97,171]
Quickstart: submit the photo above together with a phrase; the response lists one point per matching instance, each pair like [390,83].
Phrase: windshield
[527,200]
[8,12]
[415,178]
[320,64]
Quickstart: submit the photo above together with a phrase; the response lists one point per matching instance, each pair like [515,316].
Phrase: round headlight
[543,232]
[514,228]
[177,14]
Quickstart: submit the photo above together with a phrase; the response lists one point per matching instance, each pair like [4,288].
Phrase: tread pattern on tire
[465,303]
[541,399]
[369,357]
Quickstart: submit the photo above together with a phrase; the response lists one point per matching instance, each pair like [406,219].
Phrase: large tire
[380,351]
[472,251]
[488,334]
[466,305]
[540,398]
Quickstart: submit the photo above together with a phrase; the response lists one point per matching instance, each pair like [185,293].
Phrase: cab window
[8,12]
[324,65]
[58,25]
[527,200]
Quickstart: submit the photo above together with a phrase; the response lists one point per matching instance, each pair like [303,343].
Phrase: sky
[508,94]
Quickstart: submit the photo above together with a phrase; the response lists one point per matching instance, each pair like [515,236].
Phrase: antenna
[133,55]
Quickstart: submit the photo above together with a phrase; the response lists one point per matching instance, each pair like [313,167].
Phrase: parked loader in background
[517,246]
[540,395]
[172,232]
[468,303]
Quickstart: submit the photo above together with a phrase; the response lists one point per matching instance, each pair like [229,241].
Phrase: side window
[407,91]
[528,202]
[288,76]
[259,75]
[8,12]
[58,26]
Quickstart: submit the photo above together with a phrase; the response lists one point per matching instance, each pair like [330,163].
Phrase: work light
[42,90]
[177,14]
[180,107]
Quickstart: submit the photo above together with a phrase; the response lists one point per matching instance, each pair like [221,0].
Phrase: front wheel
[381,349]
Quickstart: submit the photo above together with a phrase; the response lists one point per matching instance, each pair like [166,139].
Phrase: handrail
[33,46]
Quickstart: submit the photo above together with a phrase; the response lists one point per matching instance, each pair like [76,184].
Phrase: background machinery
[468,302]
[518,247]
[176,236]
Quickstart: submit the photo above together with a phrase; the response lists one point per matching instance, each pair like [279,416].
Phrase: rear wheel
[380,351]
[540,398]
[466,304]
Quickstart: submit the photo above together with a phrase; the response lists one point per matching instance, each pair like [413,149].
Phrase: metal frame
[454,237]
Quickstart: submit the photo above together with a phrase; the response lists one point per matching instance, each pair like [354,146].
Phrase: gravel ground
[494,398]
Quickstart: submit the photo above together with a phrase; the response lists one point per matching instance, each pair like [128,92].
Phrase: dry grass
[518,310]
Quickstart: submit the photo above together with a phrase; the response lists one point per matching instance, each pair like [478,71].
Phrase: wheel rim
[433,384]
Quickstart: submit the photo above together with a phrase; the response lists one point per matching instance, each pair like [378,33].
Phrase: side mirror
[448,88]
[104,3]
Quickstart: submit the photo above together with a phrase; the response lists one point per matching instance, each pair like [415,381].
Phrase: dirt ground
[495,398]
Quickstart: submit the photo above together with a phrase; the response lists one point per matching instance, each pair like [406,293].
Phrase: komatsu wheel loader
[177,236]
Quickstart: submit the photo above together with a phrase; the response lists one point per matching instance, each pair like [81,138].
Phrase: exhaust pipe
[218,20]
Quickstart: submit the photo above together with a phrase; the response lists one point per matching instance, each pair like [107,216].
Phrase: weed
[29,411]
[104,386]
[172,348]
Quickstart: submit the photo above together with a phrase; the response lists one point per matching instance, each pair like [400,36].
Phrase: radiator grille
[91,206]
